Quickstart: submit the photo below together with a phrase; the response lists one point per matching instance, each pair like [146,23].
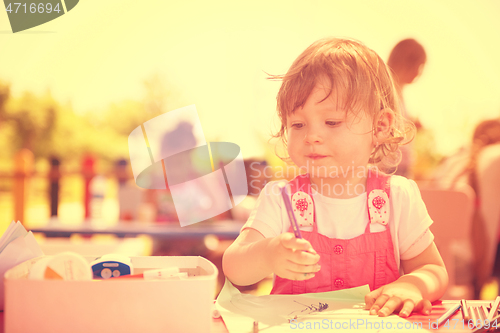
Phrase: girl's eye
[297,125]
[333,123]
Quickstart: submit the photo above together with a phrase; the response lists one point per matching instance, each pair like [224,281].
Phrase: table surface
[437,310]
[222,229]
[456,324]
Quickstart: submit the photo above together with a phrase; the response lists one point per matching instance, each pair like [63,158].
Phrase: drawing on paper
[308,309]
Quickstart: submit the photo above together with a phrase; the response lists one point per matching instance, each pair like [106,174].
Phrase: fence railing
[24,172]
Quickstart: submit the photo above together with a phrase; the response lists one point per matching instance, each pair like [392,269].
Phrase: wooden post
[54,176]
[88,173]
[126,213]
[121,171]
[23,167]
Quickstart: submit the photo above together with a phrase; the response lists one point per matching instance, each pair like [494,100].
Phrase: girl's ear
[384,125]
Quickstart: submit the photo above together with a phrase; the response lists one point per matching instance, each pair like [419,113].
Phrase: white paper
[335,310]
[14,231]
[16,246]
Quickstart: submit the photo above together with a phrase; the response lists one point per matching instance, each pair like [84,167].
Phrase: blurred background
[73,89]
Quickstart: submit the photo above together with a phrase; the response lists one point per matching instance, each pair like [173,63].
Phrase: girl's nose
[312,137]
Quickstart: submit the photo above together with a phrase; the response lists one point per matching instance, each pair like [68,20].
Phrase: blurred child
[477,165]
[407,61]
[341,123]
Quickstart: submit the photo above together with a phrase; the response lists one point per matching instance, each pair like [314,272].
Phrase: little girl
[341,123]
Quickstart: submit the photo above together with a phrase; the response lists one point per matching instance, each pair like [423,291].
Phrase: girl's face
[327,141]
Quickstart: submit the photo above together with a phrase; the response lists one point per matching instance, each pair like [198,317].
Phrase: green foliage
[125,116]
[42,125]
[4,96]
[47,128]
[33,119]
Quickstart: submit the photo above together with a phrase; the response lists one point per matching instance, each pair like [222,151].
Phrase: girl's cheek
[290,141]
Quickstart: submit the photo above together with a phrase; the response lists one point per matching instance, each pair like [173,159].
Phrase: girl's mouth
[315,156]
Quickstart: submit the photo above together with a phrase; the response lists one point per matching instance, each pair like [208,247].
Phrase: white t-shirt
[347,218]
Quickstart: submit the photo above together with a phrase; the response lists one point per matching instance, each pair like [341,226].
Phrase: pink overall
[347,263]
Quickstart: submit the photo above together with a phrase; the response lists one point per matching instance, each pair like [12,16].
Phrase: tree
[4,96]
[157,96]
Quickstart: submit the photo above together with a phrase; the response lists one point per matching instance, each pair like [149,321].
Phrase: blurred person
[179,139]
[184,163]
[460,166]
[479,166]
[407,61]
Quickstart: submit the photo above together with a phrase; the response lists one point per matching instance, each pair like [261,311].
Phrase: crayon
[447,315]
[465,310]
[484,329]
[473,314]
[494,309]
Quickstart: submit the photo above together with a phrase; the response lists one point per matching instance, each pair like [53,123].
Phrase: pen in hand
[289,210]
[293,220]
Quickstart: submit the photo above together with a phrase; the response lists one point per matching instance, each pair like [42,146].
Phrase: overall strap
[378,191]
[300,183]
[302,201]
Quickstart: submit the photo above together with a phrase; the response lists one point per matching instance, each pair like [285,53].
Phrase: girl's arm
[252,257]
[425,281]
[427,272]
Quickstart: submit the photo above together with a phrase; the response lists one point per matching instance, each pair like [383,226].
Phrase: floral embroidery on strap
[378,205]
[303,208]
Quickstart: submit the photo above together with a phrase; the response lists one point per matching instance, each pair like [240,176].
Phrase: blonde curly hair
[364,81]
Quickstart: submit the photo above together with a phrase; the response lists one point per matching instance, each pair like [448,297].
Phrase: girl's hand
[293,258]
[402,297]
